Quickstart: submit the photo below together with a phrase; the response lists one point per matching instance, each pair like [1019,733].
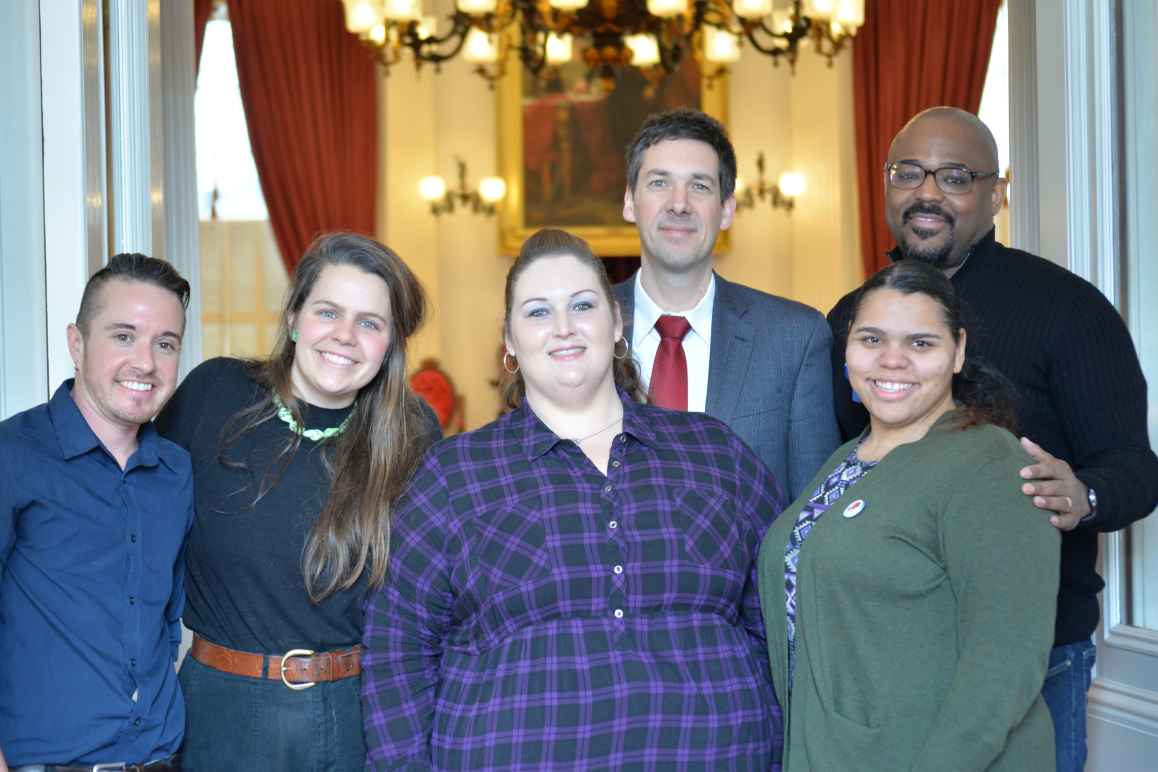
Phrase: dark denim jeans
[1066,683]
[239,723]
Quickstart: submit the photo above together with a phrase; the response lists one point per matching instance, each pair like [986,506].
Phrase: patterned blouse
[539,614]
[846,474]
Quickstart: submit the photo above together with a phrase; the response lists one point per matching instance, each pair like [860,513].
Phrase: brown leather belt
[171,764]
[297,668]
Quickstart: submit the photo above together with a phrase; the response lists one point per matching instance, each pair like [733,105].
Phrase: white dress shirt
[697,343]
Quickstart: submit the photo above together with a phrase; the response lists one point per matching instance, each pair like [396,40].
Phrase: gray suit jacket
[769,377]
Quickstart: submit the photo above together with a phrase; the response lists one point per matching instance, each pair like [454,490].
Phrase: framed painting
[562,141]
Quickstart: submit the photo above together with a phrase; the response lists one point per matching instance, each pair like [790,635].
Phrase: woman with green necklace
[297,460]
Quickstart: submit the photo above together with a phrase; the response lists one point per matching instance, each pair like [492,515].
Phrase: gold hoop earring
[626,349]
[506,367]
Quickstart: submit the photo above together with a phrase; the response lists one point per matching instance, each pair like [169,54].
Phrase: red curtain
[202,10]
[910,55]
[310,94]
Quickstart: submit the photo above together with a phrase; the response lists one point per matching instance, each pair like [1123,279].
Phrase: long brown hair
[388,429]
[552,242]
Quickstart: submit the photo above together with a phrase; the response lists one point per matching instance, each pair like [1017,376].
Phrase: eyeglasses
[954,180]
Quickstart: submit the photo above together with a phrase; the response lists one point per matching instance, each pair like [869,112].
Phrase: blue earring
[294,335]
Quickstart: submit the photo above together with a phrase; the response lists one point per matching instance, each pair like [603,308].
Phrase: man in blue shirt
[94,508]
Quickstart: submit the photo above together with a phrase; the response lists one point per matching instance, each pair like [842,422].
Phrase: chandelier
[652,35]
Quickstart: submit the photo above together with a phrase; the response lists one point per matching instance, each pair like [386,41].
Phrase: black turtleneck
[1081,395]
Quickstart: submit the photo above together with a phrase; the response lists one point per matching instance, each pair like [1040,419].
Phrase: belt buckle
[289,655]
[117,767]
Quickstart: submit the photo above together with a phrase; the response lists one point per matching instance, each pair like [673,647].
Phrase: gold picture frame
[572,174]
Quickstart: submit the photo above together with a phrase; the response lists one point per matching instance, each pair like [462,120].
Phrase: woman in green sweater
[909,598]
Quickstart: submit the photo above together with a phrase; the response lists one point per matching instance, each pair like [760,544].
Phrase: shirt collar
[647,311]
[76,437]
[983,245]
[538,439]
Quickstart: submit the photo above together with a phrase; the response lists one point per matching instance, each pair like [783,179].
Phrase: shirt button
[133,538]
[613,524]
[618,613]
[618,569]
[607,489]
[615,463]
[136,721]
[132,600]
[132,661]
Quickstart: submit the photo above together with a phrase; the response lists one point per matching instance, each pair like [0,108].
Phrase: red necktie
[669,374]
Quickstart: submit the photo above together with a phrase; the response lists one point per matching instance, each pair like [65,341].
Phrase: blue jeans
[1066,683]
[239,723]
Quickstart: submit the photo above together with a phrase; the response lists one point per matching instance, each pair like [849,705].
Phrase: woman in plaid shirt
[573,584]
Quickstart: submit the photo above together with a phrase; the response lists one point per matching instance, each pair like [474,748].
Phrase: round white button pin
[854,509]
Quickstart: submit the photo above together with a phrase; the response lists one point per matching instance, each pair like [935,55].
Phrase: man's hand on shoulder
[1054,487]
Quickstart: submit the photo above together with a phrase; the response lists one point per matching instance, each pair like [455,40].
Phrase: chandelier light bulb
[665,9]
[362,15]
[403,10]
[567,5]
[721,46]
[477,7]
[752,9]
[791,184]
[850,14]
[782,20]
[378,34]
[431,188]
[480,48]
[740,186]
[559,48]
[644,50]
[820,10]
[492,189]
[427,27]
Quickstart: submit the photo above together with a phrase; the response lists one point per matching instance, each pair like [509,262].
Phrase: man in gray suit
[758,362]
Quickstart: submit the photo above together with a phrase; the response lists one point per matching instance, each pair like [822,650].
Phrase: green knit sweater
[924,622]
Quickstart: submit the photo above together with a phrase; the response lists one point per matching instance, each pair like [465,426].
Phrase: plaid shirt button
[618,613]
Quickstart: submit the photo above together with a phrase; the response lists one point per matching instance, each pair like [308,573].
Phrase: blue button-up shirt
[90,591]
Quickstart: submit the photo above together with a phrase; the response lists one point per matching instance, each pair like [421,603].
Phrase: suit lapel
[731,351]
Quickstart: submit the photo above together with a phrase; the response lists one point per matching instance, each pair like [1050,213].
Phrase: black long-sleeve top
[1080,395]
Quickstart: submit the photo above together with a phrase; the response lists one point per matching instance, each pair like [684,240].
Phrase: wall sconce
[491,190]
[783,193]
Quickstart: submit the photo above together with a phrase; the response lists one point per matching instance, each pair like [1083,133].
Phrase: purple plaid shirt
[538,614]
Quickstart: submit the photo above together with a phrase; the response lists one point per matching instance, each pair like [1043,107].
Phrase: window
[243,277]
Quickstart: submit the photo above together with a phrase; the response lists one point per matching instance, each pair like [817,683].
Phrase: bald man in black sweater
[1080,392]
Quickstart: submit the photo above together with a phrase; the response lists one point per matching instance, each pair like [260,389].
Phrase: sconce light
[783,194]
[491,190]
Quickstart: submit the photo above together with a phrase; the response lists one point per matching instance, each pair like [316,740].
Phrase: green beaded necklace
[316,435]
